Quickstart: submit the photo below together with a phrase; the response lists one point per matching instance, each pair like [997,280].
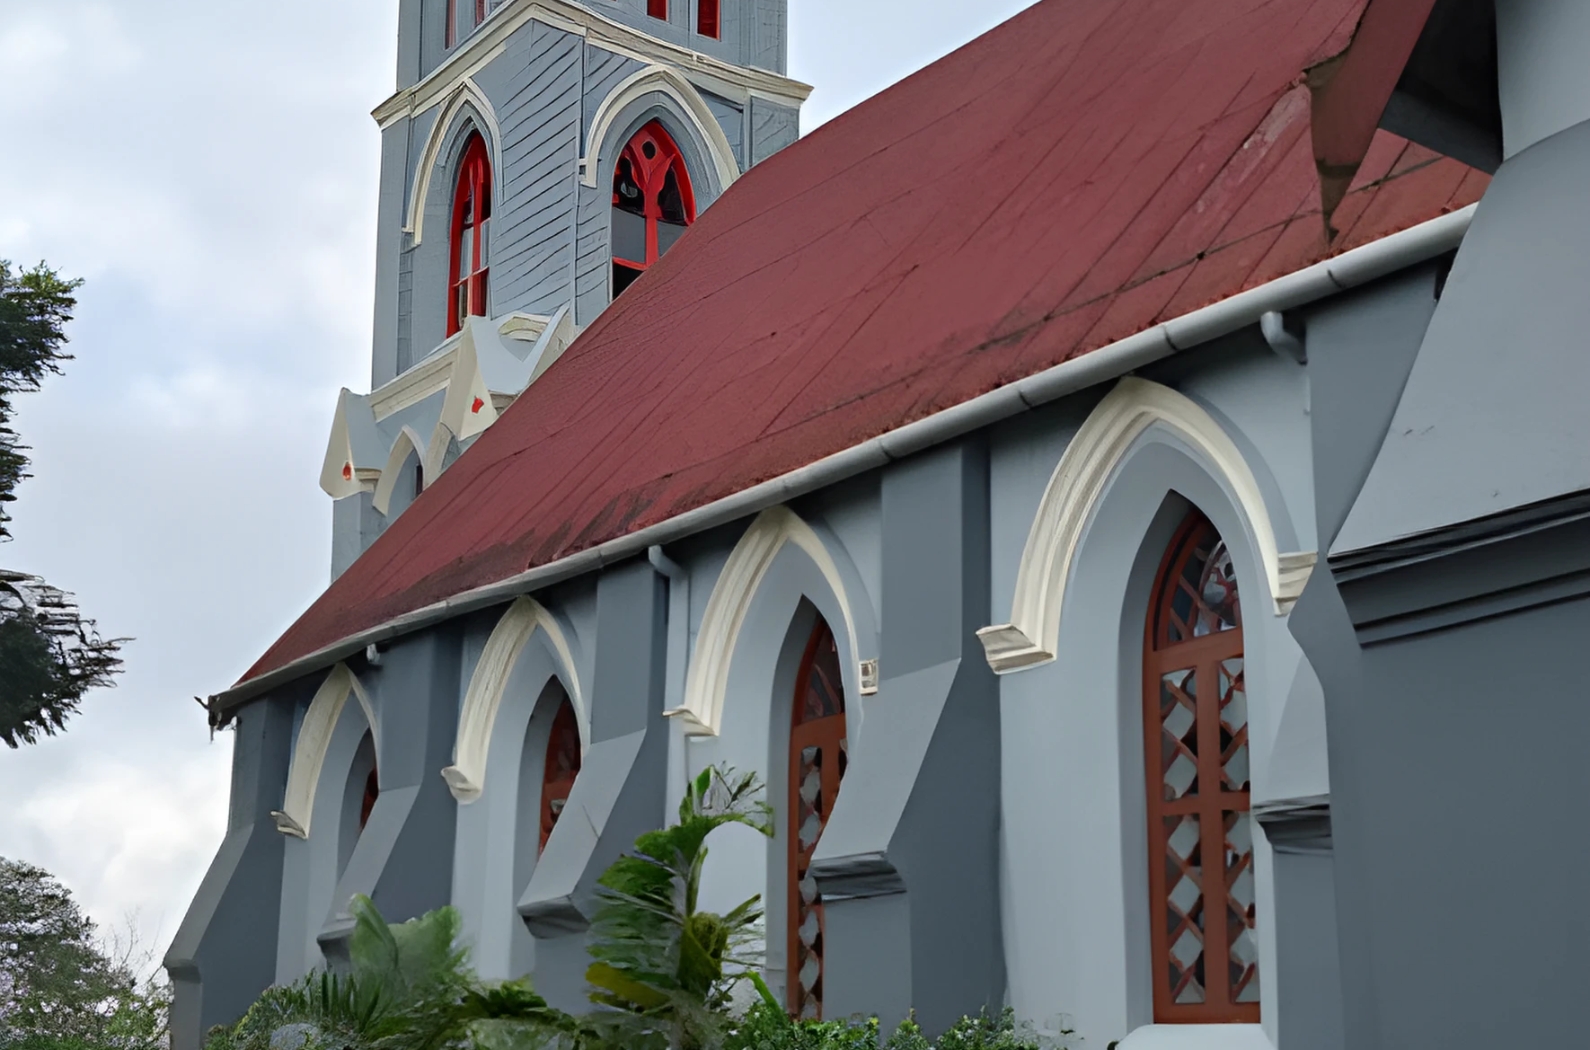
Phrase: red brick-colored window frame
[470,245]
[651,186]
[707,18]
[456,10]
[561,769]
[657,9]
[1202,922]
[817,756]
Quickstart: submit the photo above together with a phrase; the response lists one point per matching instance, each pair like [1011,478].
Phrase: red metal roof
[1084,171]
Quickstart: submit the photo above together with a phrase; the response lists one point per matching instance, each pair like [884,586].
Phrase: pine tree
[50,656]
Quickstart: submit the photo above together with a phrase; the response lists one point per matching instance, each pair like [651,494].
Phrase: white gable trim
[692,107]
[309,751]
[1032,635]
[408,441]
[467,93]
[466,777]
[708,681]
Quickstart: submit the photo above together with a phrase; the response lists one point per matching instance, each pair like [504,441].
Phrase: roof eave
[1350,269]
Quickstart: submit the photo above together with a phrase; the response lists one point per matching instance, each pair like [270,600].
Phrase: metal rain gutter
[1359,266]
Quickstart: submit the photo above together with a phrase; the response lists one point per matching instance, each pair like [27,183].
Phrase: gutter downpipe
[1359,266]
[674,681]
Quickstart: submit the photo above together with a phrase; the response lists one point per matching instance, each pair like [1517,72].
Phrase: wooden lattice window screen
[816,764]
[1201,881]
[562,766]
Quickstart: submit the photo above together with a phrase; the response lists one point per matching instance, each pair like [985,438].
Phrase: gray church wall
[403,860]
[614,799]
[754,735]
[731,118]
[498,833]
[391,203]
[223,955]
[1076,864]
[1361,347]
[908,848]
[312,867]
[772,128]
[768,35]
[1541,79]
[1469,437]
[532,254]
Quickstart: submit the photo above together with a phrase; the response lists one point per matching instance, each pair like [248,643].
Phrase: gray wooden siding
[732,120]
[771,27]
[405,310]
[603,71]
[533,235]
[592,277]
[772,128]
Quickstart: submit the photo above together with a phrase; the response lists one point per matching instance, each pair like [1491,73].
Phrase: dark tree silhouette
[50,656]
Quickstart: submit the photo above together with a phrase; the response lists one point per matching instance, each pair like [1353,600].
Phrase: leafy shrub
[765,1027]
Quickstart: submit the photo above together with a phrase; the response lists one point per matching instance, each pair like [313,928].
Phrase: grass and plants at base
[662,975]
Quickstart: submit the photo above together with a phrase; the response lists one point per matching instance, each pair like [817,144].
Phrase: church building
[1124,489]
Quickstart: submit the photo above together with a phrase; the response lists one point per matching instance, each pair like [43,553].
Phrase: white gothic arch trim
[309,752]
[467,93]
[1033,633]
[407,442]
[691,105]
[466,777]
[707,684]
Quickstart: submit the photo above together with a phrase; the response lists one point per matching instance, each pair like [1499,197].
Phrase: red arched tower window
[816,764]
[1200,830]
[657,9]
[652,203]
[563,765]
[462,18]
[707,18]
[470,243]
[372,791]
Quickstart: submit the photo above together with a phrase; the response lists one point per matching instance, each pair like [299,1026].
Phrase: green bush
[661,979]
[765,1027]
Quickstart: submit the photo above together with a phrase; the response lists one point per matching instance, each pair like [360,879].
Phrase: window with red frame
[1200,828]
[562,766]
[817,756]
[462,18]
[466,283]
[657,9]
[707,18]
[372,791]
[653,204]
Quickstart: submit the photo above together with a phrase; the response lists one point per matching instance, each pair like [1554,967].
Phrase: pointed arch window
[463,16]
[653,203]
[561,769]
[817,758]
[471,245]
[1200,829]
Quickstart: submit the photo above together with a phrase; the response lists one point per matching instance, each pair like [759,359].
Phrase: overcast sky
[210,169]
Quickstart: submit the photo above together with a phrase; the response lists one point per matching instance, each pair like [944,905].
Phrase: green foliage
[663,973]
[665,965]
[59,988]
[49,655]
[766,1027]
[35,306]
